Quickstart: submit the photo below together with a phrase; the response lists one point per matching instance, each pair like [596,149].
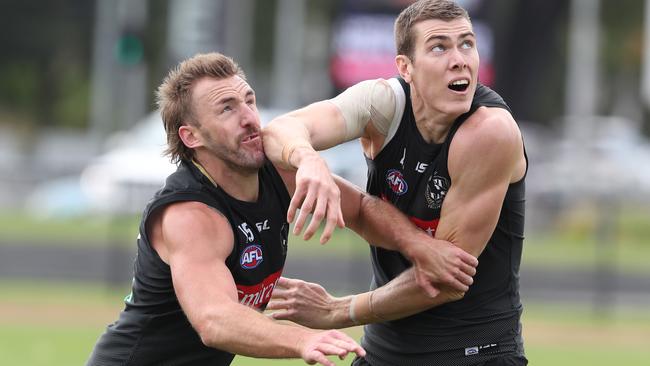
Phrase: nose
[457,60]
[249,115]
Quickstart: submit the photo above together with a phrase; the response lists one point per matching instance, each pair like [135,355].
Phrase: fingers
[296,200]
[334,218]
[305,210]
[278,304]
[468,258]
[316,218]
[352,345]
[285,282]
[468,270]
[321,359]
[425,284]
[282,315]
[330,343]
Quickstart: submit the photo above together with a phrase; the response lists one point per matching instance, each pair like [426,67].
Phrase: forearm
[282,137]
[244,331]
[318,126]
[399,298]
[383,225]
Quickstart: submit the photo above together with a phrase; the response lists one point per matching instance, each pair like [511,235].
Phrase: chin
[457,109]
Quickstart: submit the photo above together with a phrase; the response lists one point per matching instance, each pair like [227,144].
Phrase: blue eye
[467,44]
[438,48]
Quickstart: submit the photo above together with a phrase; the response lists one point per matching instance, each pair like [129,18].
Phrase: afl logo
[436,191]
[396,182]
[251,257]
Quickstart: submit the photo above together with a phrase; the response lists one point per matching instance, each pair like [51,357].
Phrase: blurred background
[80,152]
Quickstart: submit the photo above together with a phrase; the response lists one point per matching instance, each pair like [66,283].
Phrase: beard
[244,159]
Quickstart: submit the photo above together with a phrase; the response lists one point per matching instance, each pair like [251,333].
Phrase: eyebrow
[447,38]
[225,100]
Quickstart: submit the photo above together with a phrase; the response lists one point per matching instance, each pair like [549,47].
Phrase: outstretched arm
[383,225]
[290,141]
[486,156]
[195,241]
[365,111]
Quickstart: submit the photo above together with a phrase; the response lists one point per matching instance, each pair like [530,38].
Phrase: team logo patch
[396,182]
[437,187]
[251,257]
[259,294]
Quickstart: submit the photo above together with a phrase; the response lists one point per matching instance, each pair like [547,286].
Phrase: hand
[442,263]
[304,303]
[315,346]
[317,194]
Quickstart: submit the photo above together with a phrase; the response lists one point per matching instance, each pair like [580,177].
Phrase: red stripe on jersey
[428,226]
[258,295]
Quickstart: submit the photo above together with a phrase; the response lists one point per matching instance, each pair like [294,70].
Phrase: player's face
[444,71]
[229,123]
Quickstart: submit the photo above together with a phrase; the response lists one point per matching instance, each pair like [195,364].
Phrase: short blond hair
[174,96]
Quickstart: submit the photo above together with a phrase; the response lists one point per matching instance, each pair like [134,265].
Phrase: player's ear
[404,67]
[190,136]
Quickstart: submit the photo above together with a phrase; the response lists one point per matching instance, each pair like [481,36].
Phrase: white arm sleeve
[368,101]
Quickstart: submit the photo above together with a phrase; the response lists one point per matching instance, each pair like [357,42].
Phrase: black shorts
[501,361]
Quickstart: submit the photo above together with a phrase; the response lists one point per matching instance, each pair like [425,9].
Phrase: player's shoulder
[488,128]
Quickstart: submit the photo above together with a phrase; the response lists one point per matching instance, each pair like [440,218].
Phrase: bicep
[468,218]
[199,240]
[483,158]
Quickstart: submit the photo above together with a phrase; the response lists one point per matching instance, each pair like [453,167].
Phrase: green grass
[597,355]
[54,323]
[32,345]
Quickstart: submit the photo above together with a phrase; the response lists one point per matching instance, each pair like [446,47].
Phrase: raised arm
[195,241]
[486,156]
[363,111]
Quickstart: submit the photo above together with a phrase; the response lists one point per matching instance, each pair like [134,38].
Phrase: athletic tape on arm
[369,100]
[400,105]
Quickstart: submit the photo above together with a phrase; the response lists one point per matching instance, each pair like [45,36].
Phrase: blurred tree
[44,61]
[530,54]
[621,55]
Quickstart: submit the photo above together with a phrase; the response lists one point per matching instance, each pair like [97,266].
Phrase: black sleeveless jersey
[152,329]
[412,174]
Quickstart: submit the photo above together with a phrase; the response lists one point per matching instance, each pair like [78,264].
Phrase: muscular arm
[485,157]
[195,241]
[363,111]
[383,225]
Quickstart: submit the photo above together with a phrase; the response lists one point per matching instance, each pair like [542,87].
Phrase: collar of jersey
[205,172]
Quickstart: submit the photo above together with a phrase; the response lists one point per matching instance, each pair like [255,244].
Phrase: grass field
[53,323]
[48,323]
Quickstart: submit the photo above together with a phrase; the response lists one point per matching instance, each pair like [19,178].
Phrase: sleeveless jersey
[152,329]
[412,174]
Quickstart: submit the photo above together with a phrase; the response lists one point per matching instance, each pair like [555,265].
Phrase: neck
[238,183]
[433,124]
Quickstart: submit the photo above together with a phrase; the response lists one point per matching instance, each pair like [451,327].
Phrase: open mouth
[250,137]
[459,85]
